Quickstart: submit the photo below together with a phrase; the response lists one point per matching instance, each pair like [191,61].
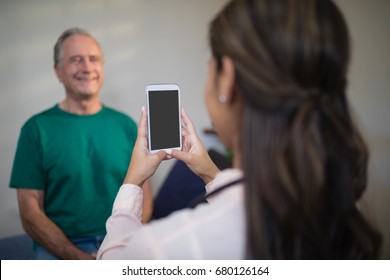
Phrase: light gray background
[166,41]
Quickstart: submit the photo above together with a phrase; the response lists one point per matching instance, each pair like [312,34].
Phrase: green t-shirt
[79,161]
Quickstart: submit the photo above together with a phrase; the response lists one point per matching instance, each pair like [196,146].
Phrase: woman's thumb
[180,155]
[161,155]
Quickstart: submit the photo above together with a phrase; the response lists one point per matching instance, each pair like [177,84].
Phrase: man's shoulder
[118,114]
[43,115]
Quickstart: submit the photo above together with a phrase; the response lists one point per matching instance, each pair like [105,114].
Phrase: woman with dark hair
[276,94]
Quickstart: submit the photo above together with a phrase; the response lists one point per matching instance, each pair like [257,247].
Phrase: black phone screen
[164,119]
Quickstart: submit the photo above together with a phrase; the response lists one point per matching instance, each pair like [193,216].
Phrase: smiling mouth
[88,79]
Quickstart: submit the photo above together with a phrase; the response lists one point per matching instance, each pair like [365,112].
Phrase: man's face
[81,67]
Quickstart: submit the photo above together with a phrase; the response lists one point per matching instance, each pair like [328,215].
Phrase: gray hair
[58,51]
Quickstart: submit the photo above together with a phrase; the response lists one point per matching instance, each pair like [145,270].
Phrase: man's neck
[81,107]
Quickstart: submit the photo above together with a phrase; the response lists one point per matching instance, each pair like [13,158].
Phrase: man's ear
[58,72]
[227,79]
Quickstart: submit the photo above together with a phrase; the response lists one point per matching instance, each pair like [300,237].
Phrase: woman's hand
[194,153]
[143,164]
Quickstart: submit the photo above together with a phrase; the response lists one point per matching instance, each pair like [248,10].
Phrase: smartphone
[164,122]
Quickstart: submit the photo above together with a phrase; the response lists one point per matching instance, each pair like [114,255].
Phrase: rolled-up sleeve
[221,179]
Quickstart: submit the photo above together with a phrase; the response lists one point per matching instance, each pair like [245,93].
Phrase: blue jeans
[87,244]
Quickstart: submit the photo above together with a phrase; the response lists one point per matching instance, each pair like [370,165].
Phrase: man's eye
[75,59]
[94,59]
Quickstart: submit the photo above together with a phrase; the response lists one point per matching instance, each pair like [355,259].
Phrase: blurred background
[165,41]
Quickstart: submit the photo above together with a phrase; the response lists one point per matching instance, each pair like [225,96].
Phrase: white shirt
[210,231]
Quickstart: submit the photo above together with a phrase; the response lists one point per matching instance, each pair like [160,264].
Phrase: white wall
[369,92]
[165,41]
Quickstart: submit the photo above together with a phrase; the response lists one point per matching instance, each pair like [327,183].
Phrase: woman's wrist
[210,174]
[131,179]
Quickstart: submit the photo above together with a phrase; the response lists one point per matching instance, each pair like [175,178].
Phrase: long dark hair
[304,160]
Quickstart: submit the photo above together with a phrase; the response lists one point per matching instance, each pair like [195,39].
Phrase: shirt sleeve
[27,170]
[133,131]
[123,222]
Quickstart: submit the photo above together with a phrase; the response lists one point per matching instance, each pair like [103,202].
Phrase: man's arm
[42,229]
